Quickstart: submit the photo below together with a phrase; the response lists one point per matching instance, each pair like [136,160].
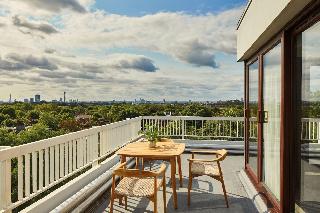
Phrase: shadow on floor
[202,200]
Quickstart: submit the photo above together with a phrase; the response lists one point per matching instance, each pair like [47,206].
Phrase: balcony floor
[206,194]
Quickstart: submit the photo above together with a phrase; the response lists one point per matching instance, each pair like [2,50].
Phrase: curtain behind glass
[271,126]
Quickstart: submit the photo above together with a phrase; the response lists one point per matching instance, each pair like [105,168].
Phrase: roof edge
[243,14]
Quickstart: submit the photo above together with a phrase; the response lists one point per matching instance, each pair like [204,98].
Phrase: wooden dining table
[163,151]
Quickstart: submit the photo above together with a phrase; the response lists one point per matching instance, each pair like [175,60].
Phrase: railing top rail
[15,151]
[194,118]
[310,119]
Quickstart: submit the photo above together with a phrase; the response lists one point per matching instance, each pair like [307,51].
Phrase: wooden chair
[137,183]
[178,159]
[209,167]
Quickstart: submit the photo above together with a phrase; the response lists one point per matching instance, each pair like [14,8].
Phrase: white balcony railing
[45,163]
[30,169]
[197,127]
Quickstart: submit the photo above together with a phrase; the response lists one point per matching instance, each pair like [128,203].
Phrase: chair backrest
[122,171]
[222,154]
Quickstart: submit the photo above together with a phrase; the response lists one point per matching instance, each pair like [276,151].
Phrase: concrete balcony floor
[206,194]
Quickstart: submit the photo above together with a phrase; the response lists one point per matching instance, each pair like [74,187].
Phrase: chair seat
[203,168]
[137,187]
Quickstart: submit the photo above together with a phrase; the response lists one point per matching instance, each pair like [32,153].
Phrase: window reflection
[308,64]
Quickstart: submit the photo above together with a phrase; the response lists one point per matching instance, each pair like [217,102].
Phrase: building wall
[262,20]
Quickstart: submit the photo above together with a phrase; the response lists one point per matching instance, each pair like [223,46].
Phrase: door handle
[263,116]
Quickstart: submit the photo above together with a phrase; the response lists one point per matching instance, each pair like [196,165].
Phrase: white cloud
[56,5]
[57,45]
[191,39]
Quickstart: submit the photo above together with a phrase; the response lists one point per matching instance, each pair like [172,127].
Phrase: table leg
[123,159]
[173,181]
[180,170]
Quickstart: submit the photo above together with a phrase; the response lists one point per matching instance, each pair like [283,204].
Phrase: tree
[3,117]
[10,112]
[33,116]
[49,120]
[9,122]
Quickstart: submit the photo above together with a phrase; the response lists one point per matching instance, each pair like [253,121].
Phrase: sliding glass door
[270,117]
[308,68]
[253,76]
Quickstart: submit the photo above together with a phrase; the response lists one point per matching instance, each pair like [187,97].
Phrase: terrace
[73,172]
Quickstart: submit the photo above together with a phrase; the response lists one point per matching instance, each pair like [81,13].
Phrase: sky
[100,50]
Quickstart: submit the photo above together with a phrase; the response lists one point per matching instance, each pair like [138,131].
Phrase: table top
[163,149]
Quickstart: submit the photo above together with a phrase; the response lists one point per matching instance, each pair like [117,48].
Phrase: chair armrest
[203,160]
[121,165]
[162,170]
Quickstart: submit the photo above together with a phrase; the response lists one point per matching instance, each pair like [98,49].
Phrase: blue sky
[124,49]
[142,7]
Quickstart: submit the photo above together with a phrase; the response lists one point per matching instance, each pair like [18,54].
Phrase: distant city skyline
[64,100]
[120,49]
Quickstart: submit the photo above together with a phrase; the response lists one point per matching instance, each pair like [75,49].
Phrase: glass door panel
[308,66]
[253,109]
[271,119]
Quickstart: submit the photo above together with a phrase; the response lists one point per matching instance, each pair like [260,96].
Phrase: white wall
[263,20]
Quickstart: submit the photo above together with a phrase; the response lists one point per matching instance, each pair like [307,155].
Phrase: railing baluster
[34,171]
[20,177]
[74,154]
[70,145]
[41,169]
[56,162]
[46,166]
[61,160]
[27,174]
[51,170]
[5,183]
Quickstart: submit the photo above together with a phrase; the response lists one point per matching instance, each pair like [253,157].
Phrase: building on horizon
[26,100]
[37,98]
[31,100]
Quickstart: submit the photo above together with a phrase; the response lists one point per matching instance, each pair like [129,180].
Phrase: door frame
[268,197]
[288,111]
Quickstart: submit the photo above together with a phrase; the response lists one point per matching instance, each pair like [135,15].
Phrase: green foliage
[48,119]
[33,115]
[3,117]
[37,132]
[8,138]
[9,122]
[151,132]
[11,112]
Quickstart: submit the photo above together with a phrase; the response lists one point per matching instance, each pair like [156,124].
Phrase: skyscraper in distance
[37,98]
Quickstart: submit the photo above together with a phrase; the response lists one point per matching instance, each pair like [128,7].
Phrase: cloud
[197,54]
[42,27]
[19,62]
[64,75]
[6,65]
[193,39]
[56,5]
[49,50]
[163,55]
[136,62]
